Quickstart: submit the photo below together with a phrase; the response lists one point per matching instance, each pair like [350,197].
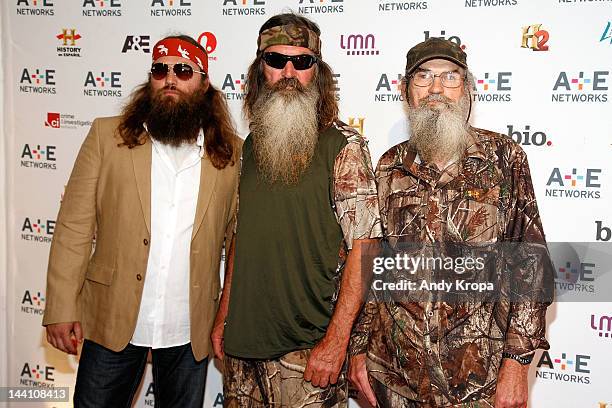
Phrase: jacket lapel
[208,178]
[141,159]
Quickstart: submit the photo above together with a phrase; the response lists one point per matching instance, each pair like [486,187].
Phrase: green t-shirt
[286,257]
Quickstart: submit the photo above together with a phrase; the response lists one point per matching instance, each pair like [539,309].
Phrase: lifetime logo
[137,43]
[358,44]
[209,41]
[35,8]
[603,325]
[535,38]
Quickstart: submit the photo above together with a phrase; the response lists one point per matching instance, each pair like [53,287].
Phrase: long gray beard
[284,126]
[440,132]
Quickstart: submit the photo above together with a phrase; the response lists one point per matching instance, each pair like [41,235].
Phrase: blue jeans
[107,378]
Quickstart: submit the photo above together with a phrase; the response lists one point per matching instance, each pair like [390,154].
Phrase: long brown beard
[439,132]
[284,128]
[175,121]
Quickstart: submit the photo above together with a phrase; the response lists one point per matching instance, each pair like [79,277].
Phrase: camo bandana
[290,34]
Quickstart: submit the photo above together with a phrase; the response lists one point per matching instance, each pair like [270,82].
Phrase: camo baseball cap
[433,48]
[290,34]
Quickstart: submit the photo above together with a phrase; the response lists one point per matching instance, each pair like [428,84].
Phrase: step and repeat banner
[543,78]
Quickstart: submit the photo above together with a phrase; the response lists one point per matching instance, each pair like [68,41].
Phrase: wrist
[523,360]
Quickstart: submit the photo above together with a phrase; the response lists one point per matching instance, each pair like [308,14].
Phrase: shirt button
[145,241]
[429,314]
[138,277]
[429,352]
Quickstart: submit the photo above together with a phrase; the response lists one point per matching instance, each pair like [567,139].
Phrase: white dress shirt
[163,319]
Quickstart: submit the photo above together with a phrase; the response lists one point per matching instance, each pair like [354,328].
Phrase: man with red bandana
[157,187]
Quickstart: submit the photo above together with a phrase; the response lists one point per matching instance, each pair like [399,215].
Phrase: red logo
[209,42]
[53,120]
[69,36]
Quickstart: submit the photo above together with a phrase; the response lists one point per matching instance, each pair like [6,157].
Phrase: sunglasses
[184,72]
[278,61]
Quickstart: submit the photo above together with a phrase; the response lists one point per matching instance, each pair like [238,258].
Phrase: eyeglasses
[278,61]
[183,71]
[450,79]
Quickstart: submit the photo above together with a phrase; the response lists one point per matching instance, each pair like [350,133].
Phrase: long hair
[327,109]
[214,118]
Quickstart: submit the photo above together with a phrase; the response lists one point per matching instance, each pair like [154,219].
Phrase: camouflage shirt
[443,353]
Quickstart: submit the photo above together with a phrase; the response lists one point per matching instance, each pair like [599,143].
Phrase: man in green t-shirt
[308,207]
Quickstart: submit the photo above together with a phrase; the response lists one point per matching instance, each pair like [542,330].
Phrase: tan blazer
[109,195]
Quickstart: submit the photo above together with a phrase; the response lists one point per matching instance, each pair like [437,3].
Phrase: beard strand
[174,122]
[284,128]
[439,132]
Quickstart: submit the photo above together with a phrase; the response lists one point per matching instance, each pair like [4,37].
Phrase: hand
[65,336]
[512,385]
[325,362]
[216,336]
[359,377]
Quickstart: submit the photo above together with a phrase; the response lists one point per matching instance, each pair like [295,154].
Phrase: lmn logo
[359,44]
[602,325]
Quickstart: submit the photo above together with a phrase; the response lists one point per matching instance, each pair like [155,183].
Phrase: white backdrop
[55,87]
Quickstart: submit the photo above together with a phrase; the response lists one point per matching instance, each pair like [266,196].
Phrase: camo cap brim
[290,34]
[434,48]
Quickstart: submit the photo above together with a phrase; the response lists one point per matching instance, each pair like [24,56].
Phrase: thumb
[78,331]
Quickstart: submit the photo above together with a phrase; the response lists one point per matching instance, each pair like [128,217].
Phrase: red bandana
[175,47]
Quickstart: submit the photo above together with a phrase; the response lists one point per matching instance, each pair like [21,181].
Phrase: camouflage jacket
[443,353]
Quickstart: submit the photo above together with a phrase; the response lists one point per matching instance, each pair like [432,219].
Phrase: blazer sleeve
[74,233]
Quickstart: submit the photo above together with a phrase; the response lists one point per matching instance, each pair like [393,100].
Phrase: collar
[430,173]
[199,143]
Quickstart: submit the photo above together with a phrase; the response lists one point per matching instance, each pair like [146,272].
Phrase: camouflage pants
[278,383]
[386,398]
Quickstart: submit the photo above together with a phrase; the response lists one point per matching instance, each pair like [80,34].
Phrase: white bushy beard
[285,131]
[440,132]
